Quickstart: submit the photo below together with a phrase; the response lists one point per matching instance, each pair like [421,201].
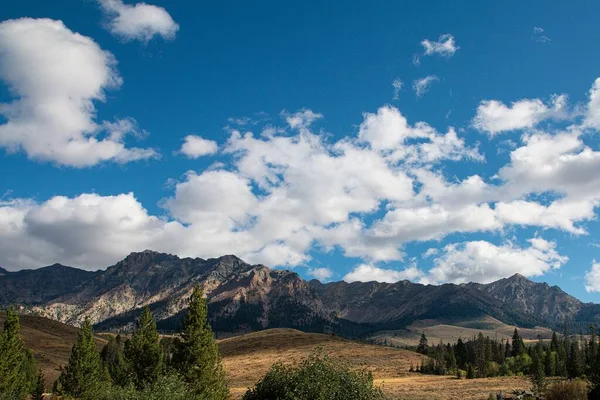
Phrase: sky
[435,141]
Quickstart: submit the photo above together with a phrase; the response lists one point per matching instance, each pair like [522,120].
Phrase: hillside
[248,357]
[50,341]
[245,298]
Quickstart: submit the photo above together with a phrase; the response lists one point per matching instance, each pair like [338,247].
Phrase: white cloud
[140,21]
[322,274]
[196,146]
[445,46]
[367,273]
[421,86]
[592,115]
[301,119]
[495,117]
[397,85]
[592,278]
[56,75]
[481,261]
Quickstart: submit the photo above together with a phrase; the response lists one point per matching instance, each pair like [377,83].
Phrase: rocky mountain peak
[3,271]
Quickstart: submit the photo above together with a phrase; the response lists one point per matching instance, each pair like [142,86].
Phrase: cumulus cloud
[445,46]
[277,197]
[301,119]
[140,21]
[592,278]
[367,273]
[422,85]
[322,274]
[55,76]
[495,117]
[481,261]
[196,146]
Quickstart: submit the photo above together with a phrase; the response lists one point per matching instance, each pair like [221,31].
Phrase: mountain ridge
[245,297]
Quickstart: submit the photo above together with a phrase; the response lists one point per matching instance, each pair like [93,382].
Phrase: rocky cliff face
[244,297]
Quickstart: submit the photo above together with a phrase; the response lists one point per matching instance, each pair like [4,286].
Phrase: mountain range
[244,297]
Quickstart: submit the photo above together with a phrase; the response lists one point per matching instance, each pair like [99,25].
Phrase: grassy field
[450,331]
[248,357]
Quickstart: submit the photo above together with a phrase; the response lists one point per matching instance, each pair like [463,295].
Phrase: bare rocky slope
[244,297]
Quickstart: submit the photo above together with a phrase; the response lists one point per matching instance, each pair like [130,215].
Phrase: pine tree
[143,351]
[554,343]
[470,372]
[518,346]
[574,362]
[113,358]
[197,356]
[538,375]
[84,372]
[39,389]
[17,366]
[423,347]
[550,362]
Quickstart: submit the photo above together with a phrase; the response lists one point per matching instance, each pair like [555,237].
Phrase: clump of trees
[187,367]
[19,377]
[482,356]
[317,377]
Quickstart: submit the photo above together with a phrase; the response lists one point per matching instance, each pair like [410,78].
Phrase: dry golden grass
[247,358]
[431,387]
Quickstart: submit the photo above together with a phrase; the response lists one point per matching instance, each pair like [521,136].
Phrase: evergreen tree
[197,356]
[470,372]
[143,351]
[113,358]
[574,362]
[518,346]
[84,373]
[39,389]
[550,362]
[17,366]
[423,347]
[538,375]
[554,343]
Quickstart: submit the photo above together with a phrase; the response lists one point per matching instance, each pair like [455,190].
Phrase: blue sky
[342,177]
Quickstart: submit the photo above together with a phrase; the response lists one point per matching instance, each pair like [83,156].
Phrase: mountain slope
[244,297]
[38,286]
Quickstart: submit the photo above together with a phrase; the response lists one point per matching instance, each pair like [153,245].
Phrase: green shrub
[169,387]
[317,378]
[568,390]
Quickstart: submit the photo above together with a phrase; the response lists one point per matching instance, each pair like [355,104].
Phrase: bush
[568,390]
[169,387]
[317,378]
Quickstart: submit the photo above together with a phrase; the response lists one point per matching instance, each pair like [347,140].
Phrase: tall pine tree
[114,360]
[84,373]
[143,351]
[197,356]
[17,366]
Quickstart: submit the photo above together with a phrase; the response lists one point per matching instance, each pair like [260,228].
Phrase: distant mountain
[39,286]
[244,297]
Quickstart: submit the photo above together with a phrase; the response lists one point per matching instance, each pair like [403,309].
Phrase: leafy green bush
[568,390]
[169,387]
[317,378]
